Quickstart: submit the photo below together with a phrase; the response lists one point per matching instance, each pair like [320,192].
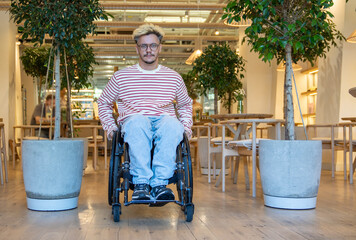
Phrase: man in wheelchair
[148,96]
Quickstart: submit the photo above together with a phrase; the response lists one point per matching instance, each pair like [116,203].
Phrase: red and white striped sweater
[151,93]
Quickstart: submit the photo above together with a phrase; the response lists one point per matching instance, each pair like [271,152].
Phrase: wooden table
[352,164]
[95,129]
[241,116]
[243,132]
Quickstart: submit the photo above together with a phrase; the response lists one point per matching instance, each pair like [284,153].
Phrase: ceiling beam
[161,6]
[5,5]
[133,25]
[166,37]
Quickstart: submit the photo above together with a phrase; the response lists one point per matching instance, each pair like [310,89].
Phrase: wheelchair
[120,179]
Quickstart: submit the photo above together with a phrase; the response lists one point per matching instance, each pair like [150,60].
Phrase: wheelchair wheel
[189,212]
[113,164]
[185,179]
[116,212]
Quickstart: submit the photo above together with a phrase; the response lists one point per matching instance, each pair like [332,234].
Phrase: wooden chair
[215,145]
[349,144]
[197,132]
[245,144]
[329,142]
[3,155]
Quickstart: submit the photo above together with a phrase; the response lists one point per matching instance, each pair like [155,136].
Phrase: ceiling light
[352,38]
[242,23]
[217,32]
[193,56]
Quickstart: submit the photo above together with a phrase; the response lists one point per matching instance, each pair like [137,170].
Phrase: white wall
[329,82]
[348,71]
[7,72]
[259,82]
[336,76]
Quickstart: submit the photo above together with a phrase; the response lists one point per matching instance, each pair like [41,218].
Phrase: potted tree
[219,68]
[222,69]
[53,169]
[289,31]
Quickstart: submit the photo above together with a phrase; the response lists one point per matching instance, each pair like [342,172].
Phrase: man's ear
[159,48]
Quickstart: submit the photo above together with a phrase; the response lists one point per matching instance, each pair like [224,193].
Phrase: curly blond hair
[146,29]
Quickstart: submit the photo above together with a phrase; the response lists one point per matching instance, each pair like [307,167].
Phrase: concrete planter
[290,173]
[86,145]
[52,171]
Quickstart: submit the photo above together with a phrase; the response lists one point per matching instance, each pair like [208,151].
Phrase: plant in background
[80,61]
[34,62]
[190,81]
[66,22]
[289,31]
[219,68]
[240,94]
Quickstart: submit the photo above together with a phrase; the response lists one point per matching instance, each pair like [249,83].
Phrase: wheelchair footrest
[152,202]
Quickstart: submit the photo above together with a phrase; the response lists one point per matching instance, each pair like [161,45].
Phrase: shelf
[310,92]
[311,70]
[309,115]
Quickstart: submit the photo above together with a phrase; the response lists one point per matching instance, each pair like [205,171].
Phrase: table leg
[95,148]
[253,159]
[14,149]
[350,160]
[209,156]
[3,150]
[344,137]
[332,153]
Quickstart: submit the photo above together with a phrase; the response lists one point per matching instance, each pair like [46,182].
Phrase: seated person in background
[144,94]
[47,115]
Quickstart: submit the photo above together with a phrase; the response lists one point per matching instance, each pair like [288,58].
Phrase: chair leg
[247,178]
[198,158]
[1,174]
[236,172]
[354,165]
[214,169]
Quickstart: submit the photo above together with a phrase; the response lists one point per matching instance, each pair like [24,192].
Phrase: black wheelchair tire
[111,167]
[189,212]
[116,212]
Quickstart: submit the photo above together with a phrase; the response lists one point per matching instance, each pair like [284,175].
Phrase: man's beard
[149,62]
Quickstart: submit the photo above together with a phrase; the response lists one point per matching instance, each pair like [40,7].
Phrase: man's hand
[110,135]
[188,134]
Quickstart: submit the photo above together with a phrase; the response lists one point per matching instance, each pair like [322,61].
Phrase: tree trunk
[229,103]
[215,101]
[288,96]
[40,79]
[57,126]
[69,110]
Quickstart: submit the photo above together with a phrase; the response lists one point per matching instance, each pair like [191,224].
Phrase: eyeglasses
[152,46]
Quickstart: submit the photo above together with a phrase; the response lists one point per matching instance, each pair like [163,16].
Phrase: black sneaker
[162,193]
[141,192]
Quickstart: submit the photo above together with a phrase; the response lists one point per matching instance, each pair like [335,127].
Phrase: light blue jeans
[139,132]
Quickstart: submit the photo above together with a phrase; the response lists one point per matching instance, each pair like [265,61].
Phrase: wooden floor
[230,215]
